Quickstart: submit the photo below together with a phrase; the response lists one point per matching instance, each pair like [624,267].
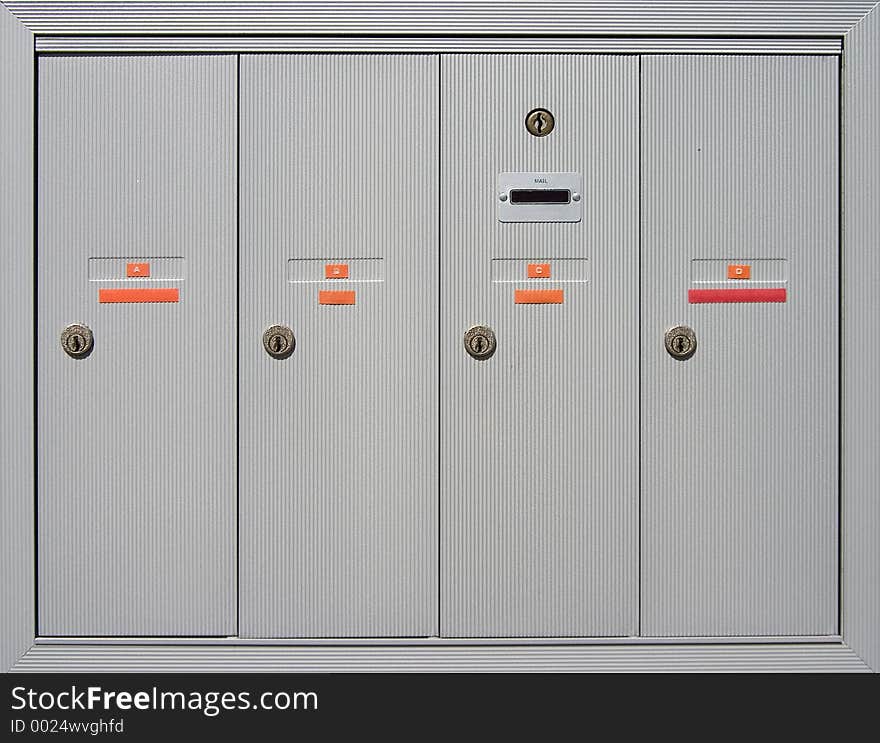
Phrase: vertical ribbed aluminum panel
[861,349]
[740,443]
[17,359]
[136,450]
[539,454]
[339,442]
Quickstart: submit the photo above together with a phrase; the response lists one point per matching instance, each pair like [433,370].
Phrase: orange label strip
[538,271]
[538,296]
[336,271]
[328,297]
[137,270]
[121,296]
[739,271]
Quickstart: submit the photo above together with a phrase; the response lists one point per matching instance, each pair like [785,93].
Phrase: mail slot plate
[540,197]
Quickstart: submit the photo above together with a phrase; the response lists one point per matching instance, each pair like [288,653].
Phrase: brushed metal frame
[29,27]
[430,45]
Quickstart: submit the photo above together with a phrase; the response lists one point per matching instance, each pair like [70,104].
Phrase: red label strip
[713,296]
[119,296]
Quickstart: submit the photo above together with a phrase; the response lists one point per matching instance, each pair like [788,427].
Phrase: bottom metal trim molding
[801,658]
[438,641]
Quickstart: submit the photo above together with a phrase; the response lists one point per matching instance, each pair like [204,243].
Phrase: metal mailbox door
[339,438]
[539,442]
[740,441]
[136,441]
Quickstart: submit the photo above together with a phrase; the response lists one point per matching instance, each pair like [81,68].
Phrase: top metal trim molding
[425,45]
[566,18]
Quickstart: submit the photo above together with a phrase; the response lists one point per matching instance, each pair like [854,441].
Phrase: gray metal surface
[613,659]
[740,443]
[17,360]
[861,351]
[713,272]
[592,44]
[539,444]
[136,455]
[564,270]
[112,271]
[339,442]
[564,17]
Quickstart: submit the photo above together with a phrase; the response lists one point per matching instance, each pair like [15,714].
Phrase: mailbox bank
[424,348]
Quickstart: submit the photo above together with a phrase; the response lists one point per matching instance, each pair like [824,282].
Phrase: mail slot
[540,196]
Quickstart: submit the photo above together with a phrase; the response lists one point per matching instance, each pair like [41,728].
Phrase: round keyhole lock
[480,342]
[77,341]
[681,342]
[540,122]
[278,341]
